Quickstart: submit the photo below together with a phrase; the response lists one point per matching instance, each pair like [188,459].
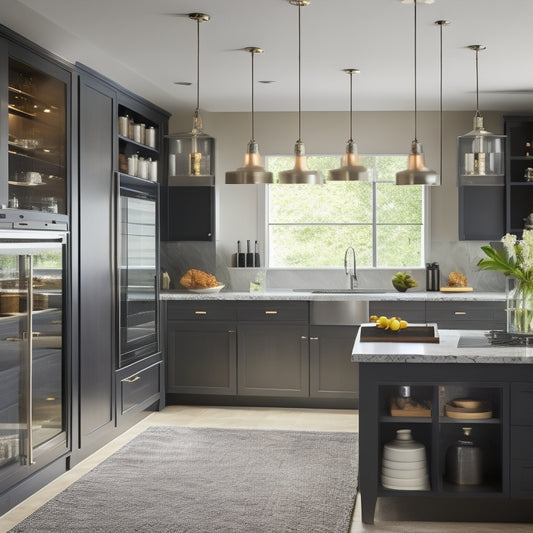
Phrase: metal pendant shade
[350,170]
[192,153]
[300,173]
[253,171]
[416,173]
[481,153]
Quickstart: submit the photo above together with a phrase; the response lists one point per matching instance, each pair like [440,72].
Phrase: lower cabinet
[273,360]
[331,372]
[258,351]
[201,357]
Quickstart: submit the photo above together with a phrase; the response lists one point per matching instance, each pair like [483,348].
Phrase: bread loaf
[198,279]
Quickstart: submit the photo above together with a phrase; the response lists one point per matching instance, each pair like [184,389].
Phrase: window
[312,225]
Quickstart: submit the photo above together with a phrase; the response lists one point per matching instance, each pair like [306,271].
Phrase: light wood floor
[252,418]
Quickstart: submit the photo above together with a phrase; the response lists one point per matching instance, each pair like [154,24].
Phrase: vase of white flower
[515,261]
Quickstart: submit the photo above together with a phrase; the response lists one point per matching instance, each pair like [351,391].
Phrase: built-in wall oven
[138,268]
[33,345]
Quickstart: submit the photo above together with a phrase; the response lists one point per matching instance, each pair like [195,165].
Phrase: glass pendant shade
[252,172]
[300,173]
[191,154]
[417,173]
[481,153]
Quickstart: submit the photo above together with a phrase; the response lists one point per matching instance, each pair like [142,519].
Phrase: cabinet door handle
[313,338]
[303,337]
[132,379]
[460,313]
[271,312]
[200,312]
[231,331]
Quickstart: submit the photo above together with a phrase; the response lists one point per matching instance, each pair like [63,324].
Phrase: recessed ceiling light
[182,83]
[267,81]
[418,1]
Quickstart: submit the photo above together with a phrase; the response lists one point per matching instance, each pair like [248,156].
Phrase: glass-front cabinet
[37,163]
[33,387]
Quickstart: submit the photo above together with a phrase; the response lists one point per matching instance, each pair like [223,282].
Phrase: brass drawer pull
[460,313]
[200,312]
[271,312]
[303,337]
[132,379]
[313,338]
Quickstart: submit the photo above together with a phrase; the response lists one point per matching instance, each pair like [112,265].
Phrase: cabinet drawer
[273,311]
[521,479]
[522,443]
[467,315]
[201,310]
[522,404]
[144,386]
[411,311]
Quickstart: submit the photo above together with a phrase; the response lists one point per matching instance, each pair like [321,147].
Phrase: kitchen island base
[505,438]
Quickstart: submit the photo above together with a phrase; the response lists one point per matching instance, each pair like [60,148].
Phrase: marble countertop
[479,350]
[304,295]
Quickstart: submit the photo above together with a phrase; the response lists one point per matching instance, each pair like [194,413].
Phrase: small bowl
[467,403]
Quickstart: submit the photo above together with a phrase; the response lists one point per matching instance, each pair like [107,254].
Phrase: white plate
[405,484]
[218,288]
[404,474]
[404,465]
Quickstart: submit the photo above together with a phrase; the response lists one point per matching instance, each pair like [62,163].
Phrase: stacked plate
[404,465]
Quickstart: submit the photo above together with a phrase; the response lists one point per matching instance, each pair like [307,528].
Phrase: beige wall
[326,133]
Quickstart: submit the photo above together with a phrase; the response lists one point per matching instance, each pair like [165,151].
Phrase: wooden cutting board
[409,334]
[456,289]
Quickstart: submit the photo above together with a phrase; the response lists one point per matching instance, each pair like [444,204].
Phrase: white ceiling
[148,45]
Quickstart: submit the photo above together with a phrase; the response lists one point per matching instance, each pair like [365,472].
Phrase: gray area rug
[199,480]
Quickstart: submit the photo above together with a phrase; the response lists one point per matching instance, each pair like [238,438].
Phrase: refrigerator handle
[29,367]
[115,254]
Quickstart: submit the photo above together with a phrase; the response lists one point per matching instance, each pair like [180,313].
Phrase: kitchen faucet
[353,275]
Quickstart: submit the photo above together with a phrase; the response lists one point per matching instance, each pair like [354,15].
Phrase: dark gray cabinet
[506,438]
[97,316]
[273,360]
[331,372]
[201,357]
[522,440]
[485,315]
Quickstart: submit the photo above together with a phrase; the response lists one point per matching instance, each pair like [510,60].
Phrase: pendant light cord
[440,97]
[253,119]
[477,81]
[198,64]
[299,73]
[351,107]
[416,136]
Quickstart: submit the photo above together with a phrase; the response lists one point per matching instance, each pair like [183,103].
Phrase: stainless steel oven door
[137,273]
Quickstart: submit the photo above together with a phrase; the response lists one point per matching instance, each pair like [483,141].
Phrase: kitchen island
[464,364]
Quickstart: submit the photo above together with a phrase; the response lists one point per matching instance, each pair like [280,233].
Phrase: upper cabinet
[37,120]
[519,174]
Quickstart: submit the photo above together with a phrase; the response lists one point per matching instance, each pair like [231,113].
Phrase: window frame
[263,210]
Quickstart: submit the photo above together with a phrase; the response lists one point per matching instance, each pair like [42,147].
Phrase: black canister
[429,279]
[435,276]
[464,461]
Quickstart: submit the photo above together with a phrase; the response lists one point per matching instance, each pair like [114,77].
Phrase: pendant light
[481,153]
[300,173]
[350,170]
[252,171]
[191,154]
[417,173]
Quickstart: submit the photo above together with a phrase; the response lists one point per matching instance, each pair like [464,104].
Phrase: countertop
[446,351]
[303,295]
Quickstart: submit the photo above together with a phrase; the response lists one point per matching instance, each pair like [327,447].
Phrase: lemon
[373,318]
[403,324]
[383,322]
[394,324]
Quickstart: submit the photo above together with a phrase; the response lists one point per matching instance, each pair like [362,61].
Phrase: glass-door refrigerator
[138,283]
[33,325]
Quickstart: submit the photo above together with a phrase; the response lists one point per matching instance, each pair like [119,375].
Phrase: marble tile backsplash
[460,256]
